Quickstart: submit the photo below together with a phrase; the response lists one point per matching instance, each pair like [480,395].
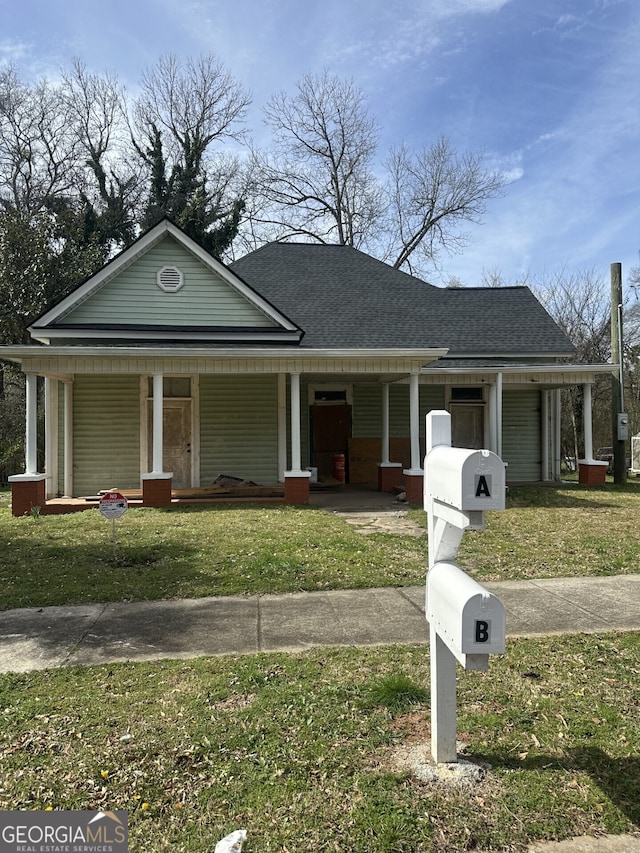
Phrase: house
[168,368]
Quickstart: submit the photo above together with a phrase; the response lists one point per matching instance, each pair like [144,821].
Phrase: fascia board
[16,353]
[541,367]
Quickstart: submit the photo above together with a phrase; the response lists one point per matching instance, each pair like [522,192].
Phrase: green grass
[194,552]
[557,531]
[546,531]
[302,749]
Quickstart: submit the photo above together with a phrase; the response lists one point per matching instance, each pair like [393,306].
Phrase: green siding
[106,423]
[366,419]
[239,428]
[521,443]
[133,297]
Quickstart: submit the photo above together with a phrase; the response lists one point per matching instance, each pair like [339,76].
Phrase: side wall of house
[521,439]
[106,428]
[239,428]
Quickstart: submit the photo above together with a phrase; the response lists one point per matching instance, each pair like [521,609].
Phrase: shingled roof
[343,298]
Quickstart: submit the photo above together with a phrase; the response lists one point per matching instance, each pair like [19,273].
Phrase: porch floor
[347,498]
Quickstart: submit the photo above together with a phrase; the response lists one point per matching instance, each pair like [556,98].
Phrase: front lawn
[309,751]
[546,531]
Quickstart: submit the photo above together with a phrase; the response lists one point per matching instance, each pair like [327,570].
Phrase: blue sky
[547,89]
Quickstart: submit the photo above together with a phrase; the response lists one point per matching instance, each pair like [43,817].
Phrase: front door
[176,441]
[331,430]
[467,426]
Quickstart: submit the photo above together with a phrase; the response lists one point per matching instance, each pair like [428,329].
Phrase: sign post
[466,622]
[113,505]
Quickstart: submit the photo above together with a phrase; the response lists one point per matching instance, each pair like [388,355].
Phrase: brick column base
[156,490]
[592,473]
[296,487]
[28,491]
[390,476]
[414,487]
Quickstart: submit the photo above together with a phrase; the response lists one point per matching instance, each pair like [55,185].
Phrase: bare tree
[579,302]
[317,182]
[182,110]
[97,111]
[493,277]
[38,151]
[432,194]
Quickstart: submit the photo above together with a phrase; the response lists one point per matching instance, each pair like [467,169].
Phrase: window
[173,386]
[467,395]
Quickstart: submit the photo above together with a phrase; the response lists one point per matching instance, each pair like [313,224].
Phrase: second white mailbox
[469,619]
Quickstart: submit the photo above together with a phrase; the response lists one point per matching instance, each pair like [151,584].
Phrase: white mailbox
[465,479]
[469,619]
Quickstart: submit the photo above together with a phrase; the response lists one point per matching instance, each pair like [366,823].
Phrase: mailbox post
[466,622]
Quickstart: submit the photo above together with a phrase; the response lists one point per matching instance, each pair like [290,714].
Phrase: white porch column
[68,439]
[493,427]
[295,423]
[544,436]
[557,438]
[158,393]
[588,430]
[499,415]
[385,424]
[414,416]
[51,435]
[31,438]
[282,426]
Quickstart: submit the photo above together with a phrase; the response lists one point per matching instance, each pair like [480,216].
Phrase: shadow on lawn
[617,778]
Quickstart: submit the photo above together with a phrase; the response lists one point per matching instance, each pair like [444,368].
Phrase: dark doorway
[330,433]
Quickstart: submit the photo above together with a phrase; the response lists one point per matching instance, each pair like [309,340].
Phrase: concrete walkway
[33,638]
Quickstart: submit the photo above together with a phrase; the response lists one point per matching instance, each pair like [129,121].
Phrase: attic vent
[170,279]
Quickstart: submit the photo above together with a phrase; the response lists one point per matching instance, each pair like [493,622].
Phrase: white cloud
[13,51]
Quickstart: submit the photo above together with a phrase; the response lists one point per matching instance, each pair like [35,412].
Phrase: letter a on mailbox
[483,485]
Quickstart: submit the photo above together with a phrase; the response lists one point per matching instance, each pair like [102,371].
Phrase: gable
[166,288]
[133,297]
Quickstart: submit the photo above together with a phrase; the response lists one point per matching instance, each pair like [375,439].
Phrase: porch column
[385,424]
[68,439]
[158,393]
[590,472]
[499,415]
[557,438]
[588,429]
[51,435]
[414,476]
[544,437]
[282,426]
[389,473]
[28,490]
[296,481]
[31,438]
[156,486]
[493,426]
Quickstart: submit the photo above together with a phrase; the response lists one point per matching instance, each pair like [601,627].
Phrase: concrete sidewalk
[33,639]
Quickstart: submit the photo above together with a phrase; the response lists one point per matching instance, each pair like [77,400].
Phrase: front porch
[330,496]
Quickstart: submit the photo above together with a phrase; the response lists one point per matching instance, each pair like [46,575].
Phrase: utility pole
[619,420]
